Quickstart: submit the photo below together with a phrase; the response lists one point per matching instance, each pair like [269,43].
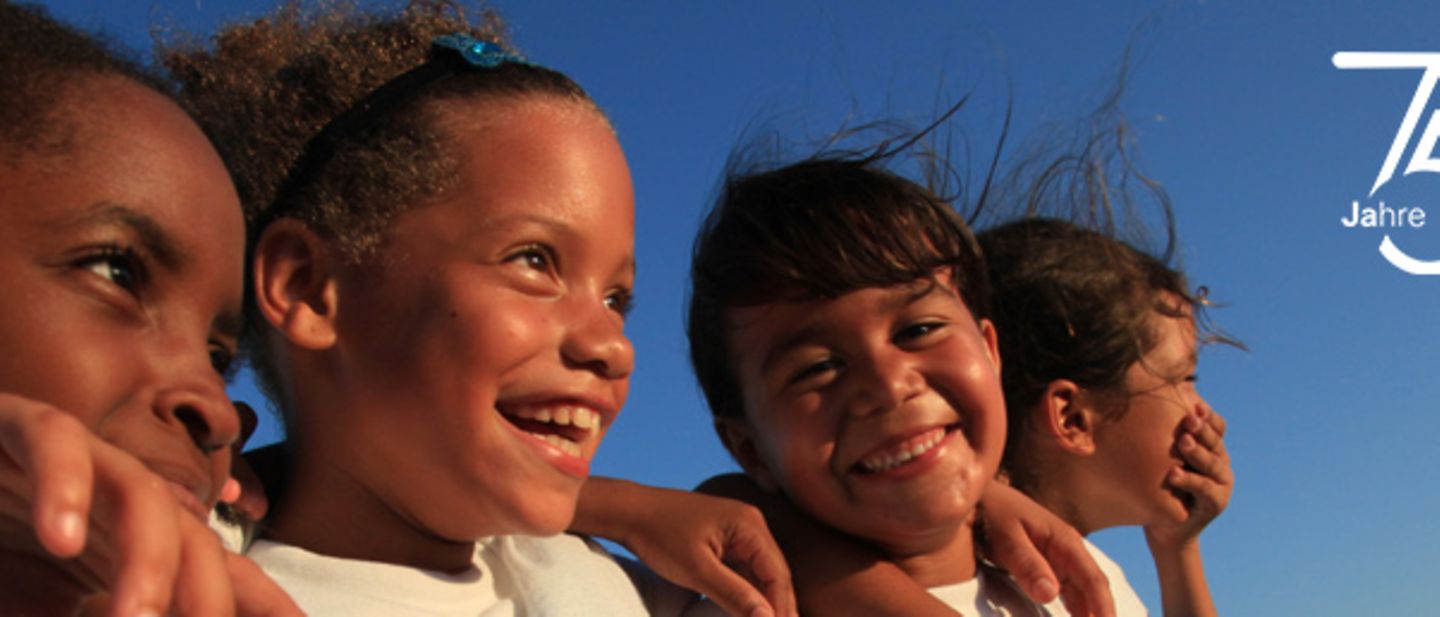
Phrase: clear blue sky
[1261,142]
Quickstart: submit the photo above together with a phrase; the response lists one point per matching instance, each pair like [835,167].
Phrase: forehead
[535,161]
[135,159]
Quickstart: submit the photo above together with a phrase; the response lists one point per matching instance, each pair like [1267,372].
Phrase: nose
[881,383]
[596,342]
[199,403]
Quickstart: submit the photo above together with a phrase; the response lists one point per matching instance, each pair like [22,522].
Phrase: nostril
[199,429]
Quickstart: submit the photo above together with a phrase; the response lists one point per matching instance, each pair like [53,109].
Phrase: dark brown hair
[818,228]
[265,89]
[41,61]
[1074,303]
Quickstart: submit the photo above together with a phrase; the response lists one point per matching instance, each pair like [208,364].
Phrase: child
[1106,426]
[120,263]
[839,329]
[443,263]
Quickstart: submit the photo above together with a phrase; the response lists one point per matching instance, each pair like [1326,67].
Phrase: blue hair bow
[478,53]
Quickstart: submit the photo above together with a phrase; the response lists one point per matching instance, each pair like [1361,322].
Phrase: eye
[917,331]
[536,257]
[1192,378]
[222,359]
[817,369]
[621,301]
[119,265]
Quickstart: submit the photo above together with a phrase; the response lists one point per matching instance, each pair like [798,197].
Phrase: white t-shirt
[512,576]
[1127,602]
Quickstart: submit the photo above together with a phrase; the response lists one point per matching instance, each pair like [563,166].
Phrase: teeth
[566,415]
[899,456]
[565,445]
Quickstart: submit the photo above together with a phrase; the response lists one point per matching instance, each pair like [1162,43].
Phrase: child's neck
[939,561]
[327,510]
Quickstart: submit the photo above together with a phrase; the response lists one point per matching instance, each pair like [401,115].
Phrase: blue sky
[1261,142]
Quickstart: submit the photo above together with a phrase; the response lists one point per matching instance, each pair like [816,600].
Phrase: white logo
[1422,160]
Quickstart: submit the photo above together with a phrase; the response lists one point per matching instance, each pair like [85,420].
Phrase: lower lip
[915,466]
[570,465]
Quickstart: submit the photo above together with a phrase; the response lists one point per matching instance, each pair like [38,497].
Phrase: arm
[1208,481]
[715,546]
[834,575]
[85,523]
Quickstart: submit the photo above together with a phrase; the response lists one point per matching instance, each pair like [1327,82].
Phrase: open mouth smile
[910,451]
[566,426]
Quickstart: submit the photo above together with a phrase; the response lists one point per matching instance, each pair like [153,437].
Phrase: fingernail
[69,524]
[761,611]
[1186,441]
[1045,588]
[1176,474]
[147,612]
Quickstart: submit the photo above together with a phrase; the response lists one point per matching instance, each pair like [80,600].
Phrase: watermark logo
[1422,157]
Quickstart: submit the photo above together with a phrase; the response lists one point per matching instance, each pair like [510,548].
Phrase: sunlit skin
[506,296]
[120,263]
[1100,469]
[831,385]
[1134,454]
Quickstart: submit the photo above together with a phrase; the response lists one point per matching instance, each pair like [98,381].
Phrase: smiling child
[838,326]
[121,245]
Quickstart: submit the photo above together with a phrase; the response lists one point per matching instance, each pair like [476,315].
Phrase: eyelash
[918,330]
[536,257]
[823,366]
[126,269]
[622,301]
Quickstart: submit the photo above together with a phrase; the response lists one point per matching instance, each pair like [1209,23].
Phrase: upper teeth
[903,454]
[564,415]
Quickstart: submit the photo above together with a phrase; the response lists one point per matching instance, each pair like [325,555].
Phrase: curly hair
[263,90]
[41,62]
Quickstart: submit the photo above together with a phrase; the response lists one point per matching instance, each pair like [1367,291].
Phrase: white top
[512,576]
[1127,602]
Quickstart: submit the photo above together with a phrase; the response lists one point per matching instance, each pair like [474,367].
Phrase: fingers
[1012,549]
[1211,496]
[1084,587]
[139,516]
[753,546]
[53,450]
[202,585]
[255,594]
[1203,460]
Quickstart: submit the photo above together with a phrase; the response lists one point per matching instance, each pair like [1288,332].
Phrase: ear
[1068,416]
[295,284]
[739,439]
[992,343]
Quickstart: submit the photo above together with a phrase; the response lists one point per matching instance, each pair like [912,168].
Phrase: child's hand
[719,547]
[1206,479]
[78,516]
[1028,540]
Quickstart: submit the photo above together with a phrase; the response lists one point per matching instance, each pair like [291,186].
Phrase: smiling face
[483,346]
[1134,452]
[121,264]
[878,412]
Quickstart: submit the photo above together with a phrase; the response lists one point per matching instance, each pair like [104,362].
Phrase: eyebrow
[154,239]
[812,331]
